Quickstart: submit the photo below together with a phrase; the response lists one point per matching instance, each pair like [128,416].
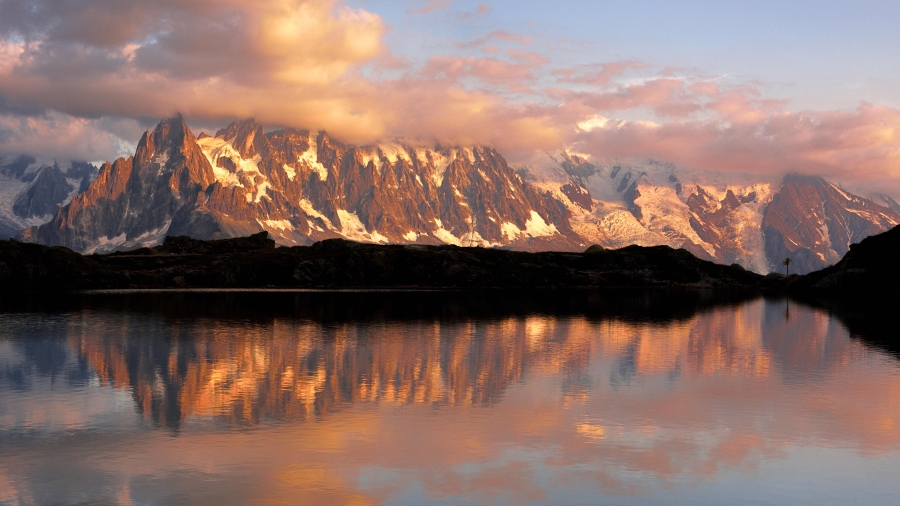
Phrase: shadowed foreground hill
[254,261]
[871,269]
[863,289]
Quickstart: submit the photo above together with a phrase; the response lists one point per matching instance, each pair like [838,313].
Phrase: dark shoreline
[862,290]
[255,262]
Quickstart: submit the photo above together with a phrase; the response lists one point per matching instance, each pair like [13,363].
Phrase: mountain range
[303,187]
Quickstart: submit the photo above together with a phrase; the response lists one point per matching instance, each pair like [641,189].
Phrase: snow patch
[510,230]
[537,227]
[367,156]
[441,163]
[410,236]
[311,211]
[276,224]
[352,228]
[311,158]
[107,244]
[446,236]
[394,152]
[261,190]
[151,237]
[842,192]
[289,171]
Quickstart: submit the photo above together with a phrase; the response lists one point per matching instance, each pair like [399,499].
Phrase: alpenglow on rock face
[814,222]
[303,187]
[133,201]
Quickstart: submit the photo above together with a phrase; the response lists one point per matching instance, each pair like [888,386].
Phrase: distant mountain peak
[814,222]
[247,137]
[797,178]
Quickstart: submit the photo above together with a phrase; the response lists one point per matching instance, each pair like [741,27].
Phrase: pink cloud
[297,63]
[501,35]
[56,135]
[664,96]
[525,56]
[489,70]
[482,9]
[589,74]
[859,145]
[430,6]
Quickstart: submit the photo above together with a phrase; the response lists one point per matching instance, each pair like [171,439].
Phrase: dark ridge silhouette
[870,270]
[254,262]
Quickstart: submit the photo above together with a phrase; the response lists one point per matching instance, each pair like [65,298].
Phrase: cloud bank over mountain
[77,79]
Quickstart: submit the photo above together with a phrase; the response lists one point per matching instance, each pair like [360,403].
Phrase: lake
[442,397]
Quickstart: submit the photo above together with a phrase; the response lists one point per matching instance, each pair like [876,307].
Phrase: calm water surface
[386,398]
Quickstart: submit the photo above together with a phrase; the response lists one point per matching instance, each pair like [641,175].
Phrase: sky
[752,86]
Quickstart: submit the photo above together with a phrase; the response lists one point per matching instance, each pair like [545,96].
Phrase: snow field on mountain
[353,229]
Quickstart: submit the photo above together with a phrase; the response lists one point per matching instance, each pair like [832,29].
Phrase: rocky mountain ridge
[302,187]
[133,201]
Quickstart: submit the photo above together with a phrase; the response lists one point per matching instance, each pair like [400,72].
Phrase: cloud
[496,35]
[664,96]
[860,145]
[525,56]
[206,58]
[430,6]
[590,74]
[63,137]
[482,9]
[293,41]
[489,70]
[323,65]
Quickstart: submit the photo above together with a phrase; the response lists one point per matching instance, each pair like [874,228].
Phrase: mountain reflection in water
[387,397]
